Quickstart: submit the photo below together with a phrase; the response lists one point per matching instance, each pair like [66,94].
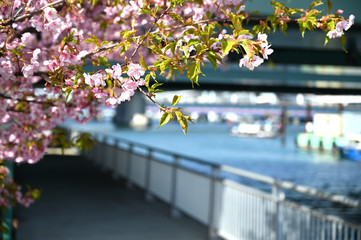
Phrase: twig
[52,103]
[100,50]
[30,14]
[151,99]
[150,29]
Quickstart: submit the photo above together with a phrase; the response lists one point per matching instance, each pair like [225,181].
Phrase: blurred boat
[257,129]
[352,149]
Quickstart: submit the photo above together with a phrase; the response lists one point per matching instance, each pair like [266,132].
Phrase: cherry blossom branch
[149,30]
[151,99]
[102,49]
[30,14]
[52,103]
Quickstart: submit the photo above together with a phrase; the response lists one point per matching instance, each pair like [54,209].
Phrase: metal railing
[215,195]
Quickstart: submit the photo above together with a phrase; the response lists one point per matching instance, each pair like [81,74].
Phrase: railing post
[148,195]
[100,143]
[105,155]
[173,198]
[212,225]
[278,195]
[115,159]
[129,166]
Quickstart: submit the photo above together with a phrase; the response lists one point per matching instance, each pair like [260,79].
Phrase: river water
[212,142]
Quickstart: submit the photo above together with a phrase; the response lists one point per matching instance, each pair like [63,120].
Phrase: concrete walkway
[81,202]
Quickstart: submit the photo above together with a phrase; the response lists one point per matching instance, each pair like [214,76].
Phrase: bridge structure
[279,78]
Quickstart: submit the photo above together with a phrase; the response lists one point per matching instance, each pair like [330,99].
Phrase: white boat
[258,129]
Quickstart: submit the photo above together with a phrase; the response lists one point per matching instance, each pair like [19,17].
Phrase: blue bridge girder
[280,78]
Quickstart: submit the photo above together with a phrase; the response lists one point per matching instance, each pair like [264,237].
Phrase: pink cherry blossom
[112,101]
[341,26]
[94,80]
[255,61]
[135,70]
[50,13]
[99,93]
[115,72]
[198,14]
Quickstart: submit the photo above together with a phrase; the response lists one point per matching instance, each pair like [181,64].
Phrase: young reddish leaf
[329,5]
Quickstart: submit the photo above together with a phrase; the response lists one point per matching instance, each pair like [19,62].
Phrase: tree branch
[30,14]
[150,29]
[151,99]
[102,49]
[52,103]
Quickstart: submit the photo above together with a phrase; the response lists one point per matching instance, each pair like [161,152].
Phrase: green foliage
[93,39]
[176,100]
[103,61]
[165,119]
[315,4]
[144,65]
[61,139]
[84,141]
[194,69]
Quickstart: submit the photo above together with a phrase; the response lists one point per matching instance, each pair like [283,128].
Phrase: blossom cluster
[256,60]
[11,193]
[123,88]
[341,26]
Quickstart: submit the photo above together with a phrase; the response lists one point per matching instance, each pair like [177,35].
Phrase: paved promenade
[81,202]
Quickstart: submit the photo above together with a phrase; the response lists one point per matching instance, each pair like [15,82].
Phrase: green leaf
[35,194]
[165,119]
[302,28]
[213,62]
[256,29]
[93,39]
[146,79]
[283,28]
[144,65]
[343,42]
[214,55]
[14,51]
[176,100]
[315,4]
[331,25]
[85,141]
[193,41]
[68,92]
[94,2]
[164,64]
[176,17]
[193,71]
[182,121]
[106,42]
[227,45]
[155,85]
[326,40]
[186,51]
[127,33]
[103,61]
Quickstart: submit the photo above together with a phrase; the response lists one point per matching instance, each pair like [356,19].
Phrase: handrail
[159,150]
[243,173]
[295,187]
